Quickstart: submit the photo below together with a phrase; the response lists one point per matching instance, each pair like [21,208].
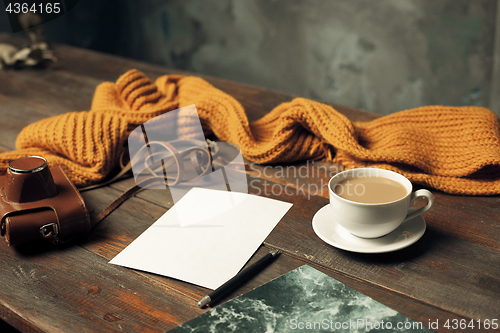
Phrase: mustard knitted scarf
[453,149]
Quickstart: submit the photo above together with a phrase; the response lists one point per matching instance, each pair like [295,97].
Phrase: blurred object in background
[37,53]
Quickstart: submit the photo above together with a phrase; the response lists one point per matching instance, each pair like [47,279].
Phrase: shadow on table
[6,328]
[42,247]
[431,240]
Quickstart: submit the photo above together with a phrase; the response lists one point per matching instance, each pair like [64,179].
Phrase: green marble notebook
[303,300]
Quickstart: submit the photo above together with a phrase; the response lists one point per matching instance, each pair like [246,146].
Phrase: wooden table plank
[452,272]
[421,272]
[53,92]
[86,292]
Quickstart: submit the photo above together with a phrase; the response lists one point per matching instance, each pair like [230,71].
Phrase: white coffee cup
[372,220]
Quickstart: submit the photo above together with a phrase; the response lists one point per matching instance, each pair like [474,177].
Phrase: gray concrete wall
[379,55]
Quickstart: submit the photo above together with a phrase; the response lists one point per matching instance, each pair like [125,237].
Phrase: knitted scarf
[453,149]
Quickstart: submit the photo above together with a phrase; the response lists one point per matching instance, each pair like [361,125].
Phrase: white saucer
[325,226]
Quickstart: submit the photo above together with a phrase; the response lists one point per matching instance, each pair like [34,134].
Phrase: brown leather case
[57,219]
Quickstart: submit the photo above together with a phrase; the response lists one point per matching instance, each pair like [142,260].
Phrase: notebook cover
[303,300]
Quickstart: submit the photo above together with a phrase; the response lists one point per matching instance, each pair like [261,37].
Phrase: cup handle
[420,211]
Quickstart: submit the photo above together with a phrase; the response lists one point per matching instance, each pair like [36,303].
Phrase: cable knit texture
[453,149]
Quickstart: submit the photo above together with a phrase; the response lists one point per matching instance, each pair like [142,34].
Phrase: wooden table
[453,272]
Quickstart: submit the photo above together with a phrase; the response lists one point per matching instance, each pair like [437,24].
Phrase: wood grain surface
[453,272]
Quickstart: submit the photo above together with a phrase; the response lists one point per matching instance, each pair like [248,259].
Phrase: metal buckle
[50,230]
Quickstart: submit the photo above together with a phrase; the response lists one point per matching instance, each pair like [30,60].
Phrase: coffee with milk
[370,189]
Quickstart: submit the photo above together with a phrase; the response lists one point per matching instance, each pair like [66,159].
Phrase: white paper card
[205,238]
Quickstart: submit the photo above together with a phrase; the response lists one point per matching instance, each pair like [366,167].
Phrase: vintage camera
[37,202]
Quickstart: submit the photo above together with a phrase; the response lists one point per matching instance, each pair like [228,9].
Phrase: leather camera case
[57,218]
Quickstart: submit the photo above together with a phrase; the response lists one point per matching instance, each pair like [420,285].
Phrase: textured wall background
[383,56]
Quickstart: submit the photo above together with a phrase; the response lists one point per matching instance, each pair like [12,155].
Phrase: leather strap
[115,204]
